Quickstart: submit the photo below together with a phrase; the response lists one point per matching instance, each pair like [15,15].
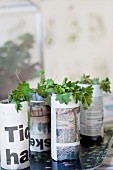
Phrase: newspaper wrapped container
[40,127]
[14,136]
[65,139]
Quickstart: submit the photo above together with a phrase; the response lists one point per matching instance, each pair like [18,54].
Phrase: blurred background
[63,37]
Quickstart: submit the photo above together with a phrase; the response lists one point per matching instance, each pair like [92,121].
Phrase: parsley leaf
[41,72]
[104,84]
[95,81]
[63,98]
[85,79]
[65,91]
[22,93]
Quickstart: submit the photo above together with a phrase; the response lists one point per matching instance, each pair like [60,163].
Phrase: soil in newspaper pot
[65,100]
[14,130]
[40,125]
[91,120]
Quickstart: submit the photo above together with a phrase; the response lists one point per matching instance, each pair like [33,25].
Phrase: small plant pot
[40,127]
[14,136]
[65,139]
[91,120]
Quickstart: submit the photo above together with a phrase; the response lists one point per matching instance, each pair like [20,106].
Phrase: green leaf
[48,100]
[18,106]
[85,79]
[22,93]
[40,90]
[105,85]
[66,90]
[42,81]
[66,97]
[63,98]
[41,72]
[95,81]
[86,96]
[64,81]
[50,90]
[49,83]
[58,89]
[59,97]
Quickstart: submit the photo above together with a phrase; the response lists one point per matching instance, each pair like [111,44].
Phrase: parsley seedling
[64,91]
[21,94]
[104,84]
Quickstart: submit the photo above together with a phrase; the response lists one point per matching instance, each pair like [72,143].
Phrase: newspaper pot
[91,120]
[40,127]
[65,139]
[14,136]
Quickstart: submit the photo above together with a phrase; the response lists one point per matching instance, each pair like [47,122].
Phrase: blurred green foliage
[15,56]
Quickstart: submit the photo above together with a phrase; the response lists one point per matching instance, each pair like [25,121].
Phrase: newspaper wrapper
[108,109]
[65,139]
[91,120]
[40,127]
[14,137]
